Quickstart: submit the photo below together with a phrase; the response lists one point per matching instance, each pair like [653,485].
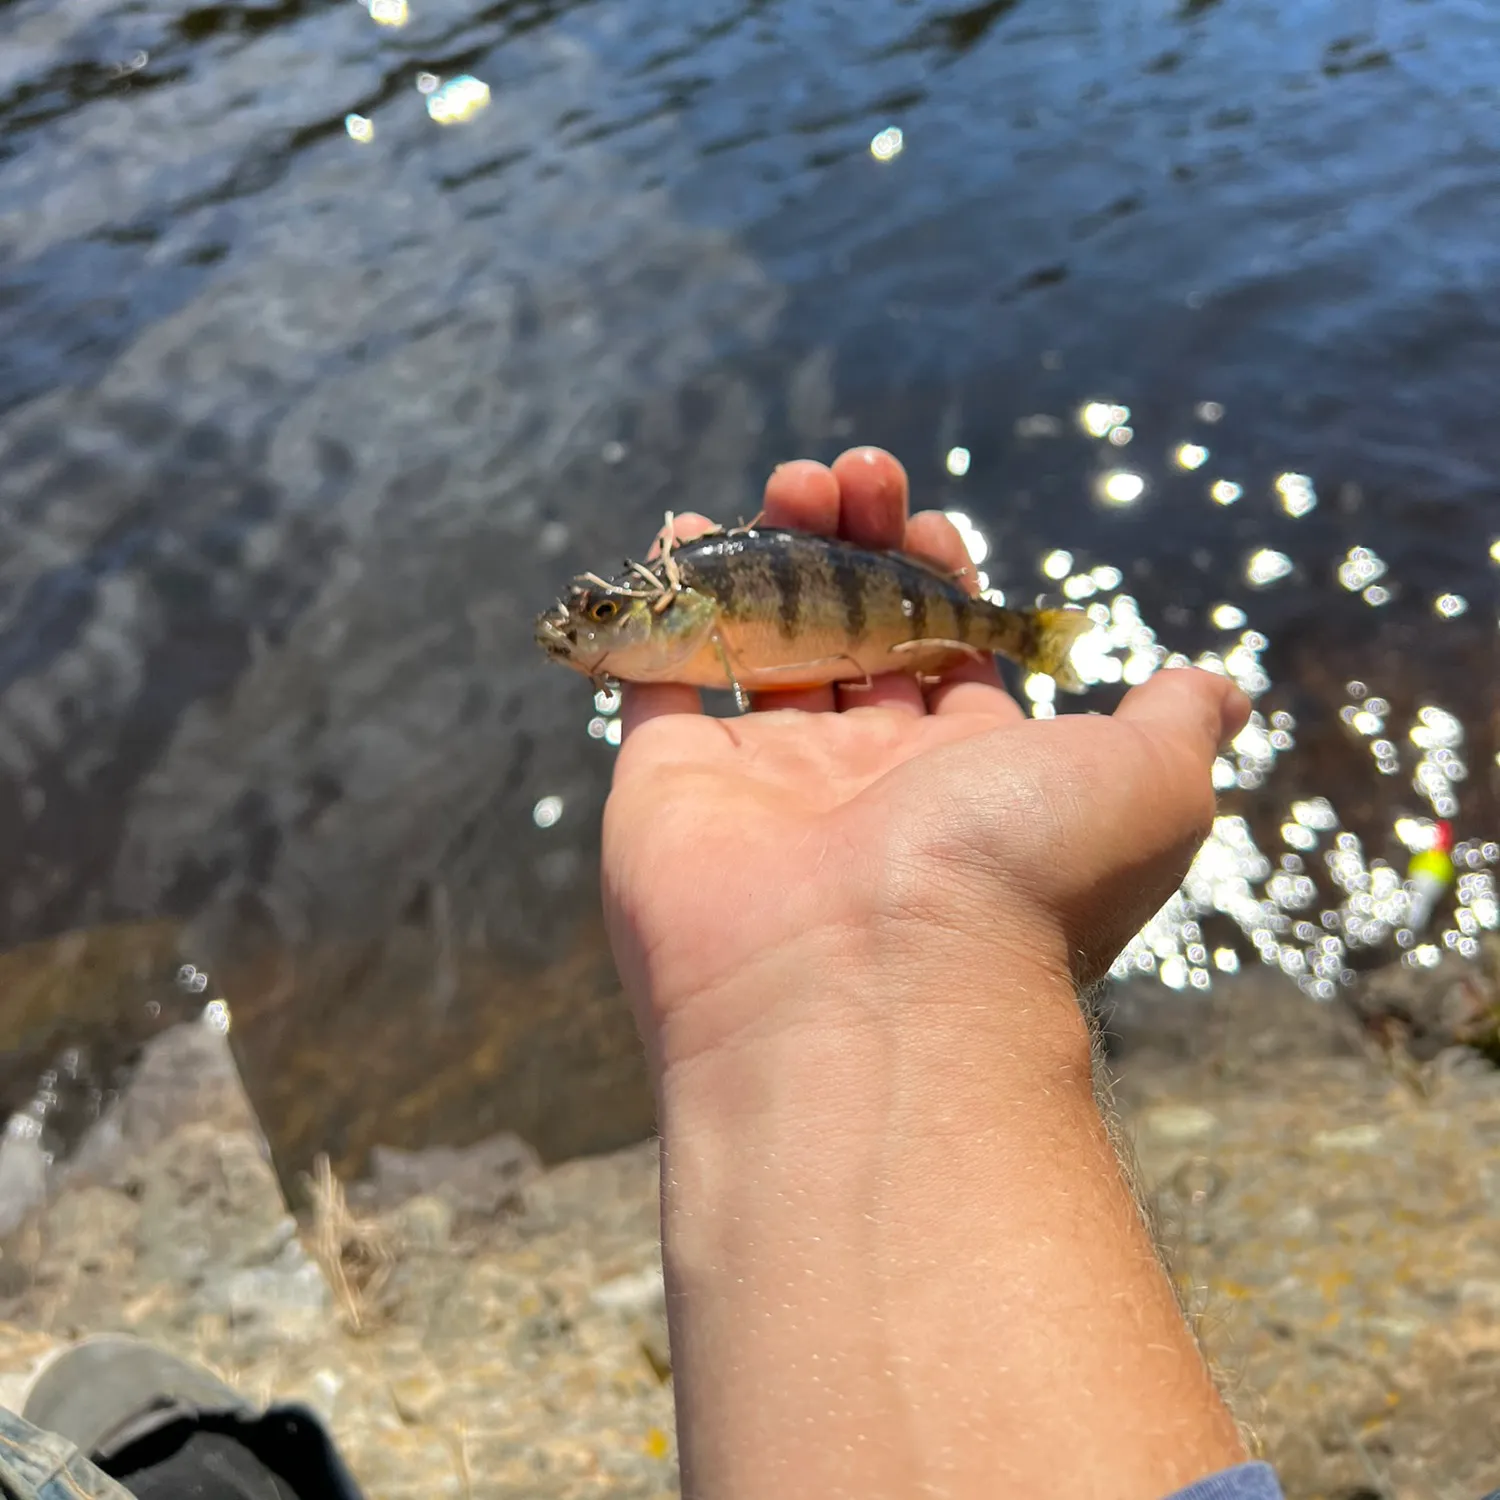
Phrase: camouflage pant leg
[37,1465]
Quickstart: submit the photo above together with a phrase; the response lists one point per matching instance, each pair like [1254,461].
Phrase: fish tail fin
[1054,633]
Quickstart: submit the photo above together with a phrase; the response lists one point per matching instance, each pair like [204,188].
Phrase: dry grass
[355,1254]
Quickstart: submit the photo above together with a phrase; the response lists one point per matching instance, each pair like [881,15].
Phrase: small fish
[756,609]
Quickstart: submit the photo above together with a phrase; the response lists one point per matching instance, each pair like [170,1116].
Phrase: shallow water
[298,430]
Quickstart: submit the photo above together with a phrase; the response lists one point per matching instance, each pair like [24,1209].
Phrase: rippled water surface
[309,400]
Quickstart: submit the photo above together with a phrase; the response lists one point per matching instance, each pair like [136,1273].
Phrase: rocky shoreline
[474,1324]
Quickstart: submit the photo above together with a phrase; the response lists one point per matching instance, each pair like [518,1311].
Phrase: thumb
[1202,707]
[1161,805]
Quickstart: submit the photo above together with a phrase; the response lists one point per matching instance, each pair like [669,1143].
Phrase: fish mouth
[551,633]
[554,634]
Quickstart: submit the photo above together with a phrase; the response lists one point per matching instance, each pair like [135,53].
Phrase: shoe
[127,1404]
[109,1391]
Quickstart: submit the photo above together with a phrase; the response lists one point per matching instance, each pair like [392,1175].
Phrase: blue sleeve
[1243,1482]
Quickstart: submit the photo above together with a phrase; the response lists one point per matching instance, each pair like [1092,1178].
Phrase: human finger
[802,496]
[685,528]
[643,701]
[873,495]
[1199,709]
[931,535]
[1164,787]
[975,688]
[814,700]
[892,690]
[651,701]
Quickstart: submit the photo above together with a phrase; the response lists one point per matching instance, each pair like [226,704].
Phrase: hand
[889,829]
[902,1258]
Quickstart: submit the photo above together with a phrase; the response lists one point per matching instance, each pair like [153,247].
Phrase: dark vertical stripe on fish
[786,575]
[914,595]
[961,618]
[722,584]
[847,576]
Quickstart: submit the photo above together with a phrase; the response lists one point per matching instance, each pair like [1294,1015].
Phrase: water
[302,417]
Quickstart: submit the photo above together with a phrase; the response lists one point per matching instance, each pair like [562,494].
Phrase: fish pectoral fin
[807,674]
[936,654]
[731,673]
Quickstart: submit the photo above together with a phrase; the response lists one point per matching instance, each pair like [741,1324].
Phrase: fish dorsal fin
[784,533]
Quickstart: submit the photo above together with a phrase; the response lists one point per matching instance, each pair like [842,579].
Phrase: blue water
[297,432]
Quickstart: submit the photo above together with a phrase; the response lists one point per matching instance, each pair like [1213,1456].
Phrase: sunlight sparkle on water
[192,979]
[458,100]
[1360,568]
[360,128]
[1093,662]
[547,811]
[1209,411]
[1297,495]
[887,144]
[1307,906]
[1267,566]
[1122,487]
[1099,418]
[976,544]
[1042,691]
[389,12]
[1418,834]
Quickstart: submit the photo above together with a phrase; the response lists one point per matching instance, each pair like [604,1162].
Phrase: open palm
[889,825]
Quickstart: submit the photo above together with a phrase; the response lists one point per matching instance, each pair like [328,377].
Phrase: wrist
[824,1020]
[902,1223]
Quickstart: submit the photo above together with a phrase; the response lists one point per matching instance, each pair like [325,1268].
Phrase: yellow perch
[764,610]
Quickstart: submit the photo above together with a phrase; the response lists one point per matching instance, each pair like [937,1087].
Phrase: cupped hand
[760,869]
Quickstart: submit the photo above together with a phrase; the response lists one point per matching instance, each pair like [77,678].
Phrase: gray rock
[186,1075]
[23,1173]
[480,1179]
[290,1300]
[422,1223]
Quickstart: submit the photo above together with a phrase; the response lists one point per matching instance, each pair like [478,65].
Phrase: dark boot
[168,1430]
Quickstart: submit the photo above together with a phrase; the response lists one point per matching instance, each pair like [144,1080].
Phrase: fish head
[609,632]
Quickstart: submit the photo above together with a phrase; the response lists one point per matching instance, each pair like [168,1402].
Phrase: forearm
[911,1266]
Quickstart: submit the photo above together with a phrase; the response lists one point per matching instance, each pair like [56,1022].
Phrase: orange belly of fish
[761,658]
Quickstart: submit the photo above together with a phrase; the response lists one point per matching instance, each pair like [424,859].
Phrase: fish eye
[604,610]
